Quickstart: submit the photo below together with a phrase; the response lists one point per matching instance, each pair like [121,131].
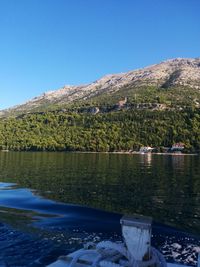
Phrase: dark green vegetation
[109,131]
[153,116]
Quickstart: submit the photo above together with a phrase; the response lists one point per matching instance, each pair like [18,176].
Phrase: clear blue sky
[45,44]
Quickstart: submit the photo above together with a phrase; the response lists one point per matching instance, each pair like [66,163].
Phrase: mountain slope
[175,73]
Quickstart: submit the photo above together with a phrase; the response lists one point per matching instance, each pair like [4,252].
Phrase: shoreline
[152,153]
[114,152]
[134,153]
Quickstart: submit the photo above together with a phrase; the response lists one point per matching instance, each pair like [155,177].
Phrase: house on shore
[177,147]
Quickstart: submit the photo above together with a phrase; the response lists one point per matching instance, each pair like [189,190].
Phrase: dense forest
[112,131]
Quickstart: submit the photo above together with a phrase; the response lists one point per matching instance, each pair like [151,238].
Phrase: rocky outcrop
[174,72]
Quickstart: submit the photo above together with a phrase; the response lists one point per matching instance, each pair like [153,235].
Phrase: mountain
[175,81]
[157,106]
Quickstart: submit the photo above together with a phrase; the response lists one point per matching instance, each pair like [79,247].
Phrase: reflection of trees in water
[178,161]
[164,187]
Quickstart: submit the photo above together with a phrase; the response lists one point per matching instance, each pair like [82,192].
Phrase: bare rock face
[173,72]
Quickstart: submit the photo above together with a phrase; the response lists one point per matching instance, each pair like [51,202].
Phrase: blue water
[36,231]
[48,208]
[41,229]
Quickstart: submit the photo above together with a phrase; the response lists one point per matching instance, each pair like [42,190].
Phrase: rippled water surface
[52,203]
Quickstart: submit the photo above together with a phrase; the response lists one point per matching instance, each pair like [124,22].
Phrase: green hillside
[110,131]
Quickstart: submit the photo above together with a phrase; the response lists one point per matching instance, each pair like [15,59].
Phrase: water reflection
[178,162]
[146,160]
[165,187]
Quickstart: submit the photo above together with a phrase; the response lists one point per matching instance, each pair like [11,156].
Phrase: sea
[53,203]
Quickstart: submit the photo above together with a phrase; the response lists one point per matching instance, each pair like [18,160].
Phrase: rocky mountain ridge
[184,72]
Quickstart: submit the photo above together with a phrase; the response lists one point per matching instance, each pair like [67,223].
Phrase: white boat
[135,251]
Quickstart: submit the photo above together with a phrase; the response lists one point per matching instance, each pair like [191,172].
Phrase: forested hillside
[112,131]
[155,106]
